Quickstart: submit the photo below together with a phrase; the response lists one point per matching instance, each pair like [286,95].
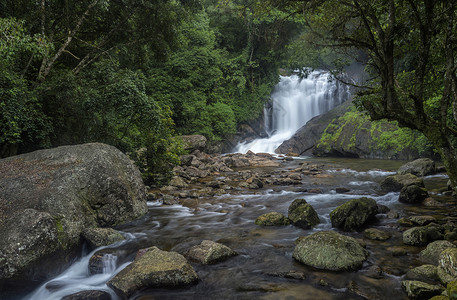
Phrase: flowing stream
[265,253]
[295,101]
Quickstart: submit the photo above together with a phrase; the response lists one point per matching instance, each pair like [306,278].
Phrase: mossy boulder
[49,197]
[302,214]
[97,237]
[329,250]
[272,219]
[434,249]
[448,261]
[425,273]
[209,252]
[421,236]
[413,194]
[421,290]
[353,214]
[452,290]
[418,167]
[154,268]
[395,183]
[376,234]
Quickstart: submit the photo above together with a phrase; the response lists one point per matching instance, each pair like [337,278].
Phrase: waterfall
[295,101]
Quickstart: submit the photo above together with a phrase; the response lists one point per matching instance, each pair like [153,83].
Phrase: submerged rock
[353,214]
[421,290]
[97,237]
[154,269]
[418,167]
[209,252]
[376,234]
[272,219]
[395,183]
[302,214]
[50,196]
[330,250]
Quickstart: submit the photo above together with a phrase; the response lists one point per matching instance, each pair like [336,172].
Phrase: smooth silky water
[264,252]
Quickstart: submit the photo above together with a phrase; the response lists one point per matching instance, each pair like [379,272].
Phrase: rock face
[209,252]
[413,194]
[48,197]
[303,214]
[272,219]
[353,214]
[418,167]
[395,183]
[330,250]
[153,269]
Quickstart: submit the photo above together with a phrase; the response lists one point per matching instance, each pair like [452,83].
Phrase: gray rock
[272,219]
[434,249]
[302,214]
[49,197]
[376,234]
[97,237]
[330,250]
[422,220]
[153,269]
[421,290]
[353,214]
[420,236]
[418,167]
[193,142]
[395,183]
[413,194]
[209,252]
[89,295]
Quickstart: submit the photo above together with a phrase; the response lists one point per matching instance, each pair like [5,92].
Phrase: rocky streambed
[214,201]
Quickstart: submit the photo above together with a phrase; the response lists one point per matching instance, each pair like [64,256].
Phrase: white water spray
[295,101]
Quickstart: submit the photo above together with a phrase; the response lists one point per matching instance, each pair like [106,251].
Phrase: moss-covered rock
[97,237]
[330,250]
[452,290]
[302,214]
[153,269]
[394,183]
[353,214]
[421,290]
[209,252]
[448,261]
[272,219]
[418,167]
[425,273]
[376,234]
[434,249]
[421,236]
[413,194]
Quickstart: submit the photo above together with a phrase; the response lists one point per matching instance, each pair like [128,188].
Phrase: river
[265,253]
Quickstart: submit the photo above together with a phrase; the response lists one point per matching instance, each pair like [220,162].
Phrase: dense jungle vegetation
[134,73]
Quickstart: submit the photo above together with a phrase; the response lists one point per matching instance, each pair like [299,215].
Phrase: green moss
[61,236]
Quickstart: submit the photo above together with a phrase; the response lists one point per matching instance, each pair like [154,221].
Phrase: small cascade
[295,101]
[109,263]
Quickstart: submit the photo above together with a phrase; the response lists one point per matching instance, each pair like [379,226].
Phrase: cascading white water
[295,101]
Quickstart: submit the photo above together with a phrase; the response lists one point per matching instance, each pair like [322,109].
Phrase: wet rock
[330,250]
[444,276]
[154,269]
[395,183]
[193,142]
[197,173]
[383,209]
[97,237]
[397,250]
[353,214]
[376,234]
[209,252]
[421,290]
[342,190]
[452,290]
[89,295]
[272,219]
[418,167]
[102,260]
[290,274]
[424,273]
[420,236]
[52,195]
[393,214]
[178,182]
[430,201]
[434,249]
[413,194]
[374,272]
[405,222]
[302,214]
[422,220]
[448,261]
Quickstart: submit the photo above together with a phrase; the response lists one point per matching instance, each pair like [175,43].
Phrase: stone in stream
[329,250]
[434,249]
[89,295]
[98,262]
[418,167]
[421,290]
[448,261]
[425,273]
[272,219]
[97,237]
[376,234]
[353,214]
[420,236]
[154,269]
[395,183]
[413,194]
[209,252]
[302,214]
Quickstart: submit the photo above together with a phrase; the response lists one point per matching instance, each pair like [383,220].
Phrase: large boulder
[272,219]
[353,214]
[418,167]
[421,236]
[395,183]
[48,197]
[413,194]
[434,249]
[209,252]
[330,250]
[154,268]
[302,214]
[193,142]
